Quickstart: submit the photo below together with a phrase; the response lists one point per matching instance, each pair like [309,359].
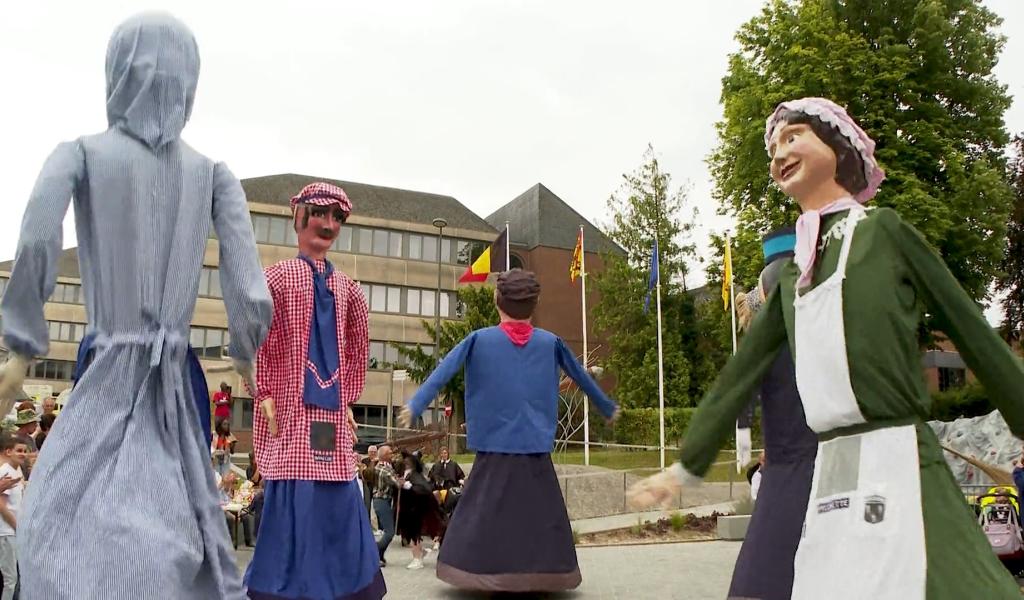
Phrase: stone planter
[734,527]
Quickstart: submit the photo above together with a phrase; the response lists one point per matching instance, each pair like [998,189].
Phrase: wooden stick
[998,475]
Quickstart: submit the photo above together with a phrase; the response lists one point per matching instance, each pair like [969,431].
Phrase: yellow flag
[727,279]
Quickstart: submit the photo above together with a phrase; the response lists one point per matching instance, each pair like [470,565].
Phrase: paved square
[687,571]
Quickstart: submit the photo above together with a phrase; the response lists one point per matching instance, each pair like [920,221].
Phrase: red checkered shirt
[281,368]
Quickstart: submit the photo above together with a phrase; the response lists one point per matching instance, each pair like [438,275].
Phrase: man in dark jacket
[446,473]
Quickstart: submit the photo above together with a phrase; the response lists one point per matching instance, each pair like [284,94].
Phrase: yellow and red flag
[577,258]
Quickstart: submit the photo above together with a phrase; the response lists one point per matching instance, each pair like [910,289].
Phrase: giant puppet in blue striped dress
[123,503]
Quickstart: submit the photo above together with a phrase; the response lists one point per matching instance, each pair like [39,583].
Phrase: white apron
[863,531]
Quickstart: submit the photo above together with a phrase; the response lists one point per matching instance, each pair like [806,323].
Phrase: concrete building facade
[390,245]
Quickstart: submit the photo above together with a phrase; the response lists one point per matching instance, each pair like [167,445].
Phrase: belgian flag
[493,260]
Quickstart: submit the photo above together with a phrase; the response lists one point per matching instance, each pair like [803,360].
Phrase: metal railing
[598,493]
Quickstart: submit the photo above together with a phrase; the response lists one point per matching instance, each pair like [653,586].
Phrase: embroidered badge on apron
[874,509]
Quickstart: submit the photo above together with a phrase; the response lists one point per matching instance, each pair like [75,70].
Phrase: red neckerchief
[518,331]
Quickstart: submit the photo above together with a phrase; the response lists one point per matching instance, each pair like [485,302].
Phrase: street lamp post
[440,223]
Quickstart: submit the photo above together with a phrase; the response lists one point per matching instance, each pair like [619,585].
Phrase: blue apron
[195,372]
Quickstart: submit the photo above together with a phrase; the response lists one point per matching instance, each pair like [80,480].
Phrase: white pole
[391,401]
[732,311]
[732,293]
[508,248]
[586,355]
[661,374]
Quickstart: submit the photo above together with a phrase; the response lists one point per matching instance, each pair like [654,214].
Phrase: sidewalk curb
[652,542]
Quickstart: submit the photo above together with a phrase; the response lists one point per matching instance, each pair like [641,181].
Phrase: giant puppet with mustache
[315,540]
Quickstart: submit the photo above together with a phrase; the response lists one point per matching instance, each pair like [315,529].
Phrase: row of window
[374,241]
[62,331]
[411,301]
[59,370]
[209,283]
[209,342]
[381,298]
[383,355]
[65,293]
[242,410]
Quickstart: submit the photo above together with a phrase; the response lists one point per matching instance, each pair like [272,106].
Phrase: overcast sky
[477,100]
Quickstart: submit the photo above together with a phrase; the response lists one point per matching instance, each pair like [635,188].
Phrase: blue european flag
[653,281]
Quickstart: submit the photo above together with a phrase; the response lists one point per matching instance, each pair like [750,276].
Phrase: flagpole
[661,367]
[508,248]
[732,292]
[732,311]
[586,355]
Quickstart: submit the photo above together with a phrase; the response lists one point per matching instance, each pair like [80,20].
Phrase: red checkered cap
[323,194]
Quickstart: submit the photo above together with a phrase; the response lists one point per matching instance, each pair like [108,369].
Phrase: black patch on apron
[322,440]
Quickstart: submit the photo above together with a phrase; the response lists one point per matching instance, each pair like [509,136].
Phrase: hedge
[968,401]
[639,426]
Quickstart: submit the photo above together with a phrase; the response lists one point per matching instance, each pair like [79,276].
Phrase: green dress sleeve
[715,418]
[988,356]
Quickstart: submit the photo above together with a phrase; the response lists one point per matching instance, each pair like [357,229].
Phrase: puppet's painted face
[801,162]
[317,227]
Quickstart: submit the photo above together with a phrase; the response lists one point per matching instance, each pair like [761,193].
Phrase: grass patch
[677,521]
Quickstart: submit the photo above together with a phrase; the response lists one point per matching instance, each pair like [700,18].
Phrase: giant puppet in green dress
[885,517]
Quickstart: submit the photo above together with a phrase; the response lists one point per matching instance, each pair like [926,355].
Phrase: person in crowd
[419,515]
[371,456]
[222,403]
[13,452]
[447,478]
[384,493]
[45,424]
[223,447]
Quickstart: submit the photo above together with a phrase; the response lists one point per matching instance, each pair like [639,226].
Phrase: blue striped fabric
[123,504]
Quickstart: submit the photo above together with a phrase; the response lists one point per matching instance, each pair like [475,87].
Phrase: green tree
[476,304]
[917,75]
[644,207]
[1012,280]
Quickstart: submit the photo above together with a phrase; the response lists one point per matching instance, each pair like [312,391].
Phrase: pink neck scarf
[519,332]
[808,227]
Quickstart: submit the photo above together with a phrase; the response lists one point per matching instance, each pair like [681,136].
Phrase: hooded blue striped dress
[123,504]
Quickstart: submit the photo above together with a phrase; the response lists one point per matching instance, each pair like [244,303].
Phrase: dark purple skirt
[764,567]
[510,531]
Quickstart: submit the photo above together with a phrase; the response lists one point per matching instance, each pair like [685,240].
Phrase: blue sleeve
[574,369]
[444,372]
[39,248]
[246,296]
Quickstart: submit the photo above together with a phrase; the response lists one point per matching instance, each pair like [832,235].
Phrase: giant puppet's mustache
[326,233]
